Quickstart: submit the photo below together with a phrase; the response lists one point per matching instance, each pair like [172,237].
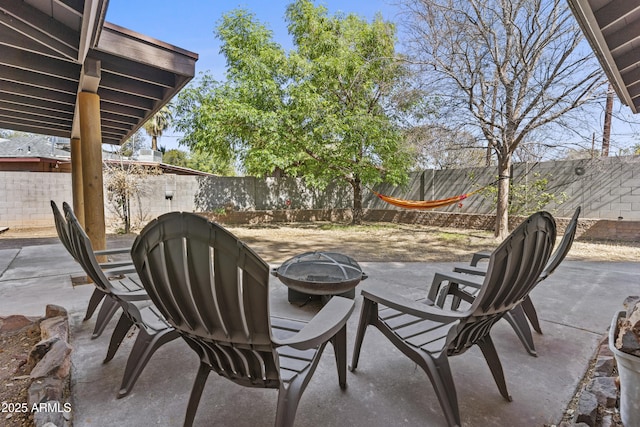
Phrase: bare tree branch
[516,65]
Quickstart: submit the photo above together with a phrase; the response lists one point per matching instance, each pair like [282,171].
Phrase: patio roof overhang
[613,30]
[51,50]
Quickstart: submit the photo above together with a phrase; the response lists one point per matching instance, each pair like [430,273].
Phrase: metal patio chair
[215,291]
[518,317]
[111,267]
[429,335]
[153,330]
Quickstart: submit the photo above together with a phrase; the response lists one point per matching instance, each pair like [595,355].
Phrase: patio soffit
[613,30]
[50,50]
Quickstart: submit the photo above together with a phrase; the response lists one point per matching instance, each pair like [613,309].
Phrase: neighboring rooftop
[35,146]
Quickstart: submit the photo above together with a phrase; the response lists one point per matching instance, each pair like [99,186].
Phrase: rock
[630,302]
[628,339]
[604,366]
[38,351]
[608,421]
[604,350]
[15,323]
[55,326]
[57,361]
[634,316]
[605,390]
[46,417]
[53,310]
[587,409]
[45,389]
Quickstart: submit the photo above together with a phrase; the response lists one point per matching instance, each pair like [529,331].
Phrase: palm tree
[158,124]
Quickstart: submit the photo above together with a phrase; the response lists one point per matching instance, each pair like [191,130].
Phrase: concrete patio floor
[575,307]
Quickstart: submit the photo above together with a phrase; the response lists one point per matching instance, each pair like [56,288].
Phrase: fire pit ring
[320,273]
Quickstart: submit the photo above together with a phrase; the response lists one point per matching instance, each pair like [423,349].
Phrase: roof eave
[587,21]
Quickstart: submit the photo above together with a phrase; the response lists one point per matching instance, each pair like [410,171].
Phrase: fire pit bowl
[320,273]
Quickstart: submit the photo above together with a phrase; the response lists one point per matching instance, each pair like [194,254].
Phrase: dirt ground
[14,379]
[370,242]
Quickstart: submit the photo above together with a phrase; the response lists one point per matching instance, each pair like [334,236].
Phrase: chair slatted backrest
[214,290]
[83,250]
[564,246]
[514,268]
[62,229]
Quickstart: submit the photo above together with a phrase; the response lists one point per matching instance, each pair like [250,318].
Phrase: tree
[443,148]
[199,161]
[133,144]
[505,68]
[322,111]
[175,157]
[203,161]
[123,183]
[157,124]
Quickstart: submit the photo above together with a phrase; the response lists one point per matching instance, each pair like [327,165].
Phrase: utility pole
[606,137]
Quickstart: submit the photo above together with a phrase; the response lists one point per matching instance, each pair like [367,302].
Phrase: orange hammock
[425,204]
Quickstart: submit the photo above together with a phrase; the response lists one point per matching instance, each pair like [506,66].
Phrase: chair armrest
[114,251]
[439,278]
[120,270]
[115,264]
[413,308]
[479,256]
[323,326]
[475,271]
[140,295]
[459,278]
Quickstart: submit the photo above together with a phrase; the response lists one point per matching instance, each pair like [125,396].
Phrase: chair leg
[288,400]
[144,347]
[532,315]
[94,301]
[369,311]
[439,373]
[107,310]
[339,342]
[491,356]
[518,322]
[123,326]
[196,393]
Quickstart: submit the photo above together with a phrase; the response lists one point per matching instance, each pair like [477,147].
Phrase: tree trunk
[606,133]
[502,211]
[127,215]
[357,201]
[154,142]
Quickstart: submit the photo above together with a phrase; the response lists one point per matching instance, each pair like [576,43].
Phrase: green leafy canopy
[323,110]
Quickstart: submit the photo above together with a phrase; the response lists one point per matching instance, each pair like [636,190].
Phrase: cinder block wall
[25,197]
[605,188]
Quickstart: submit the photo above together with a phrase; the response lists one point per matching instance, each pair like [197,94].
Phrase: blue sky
[189,24]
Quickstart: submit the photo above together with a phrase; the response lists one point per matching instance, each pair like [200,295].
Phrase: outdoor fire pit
[320,274]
